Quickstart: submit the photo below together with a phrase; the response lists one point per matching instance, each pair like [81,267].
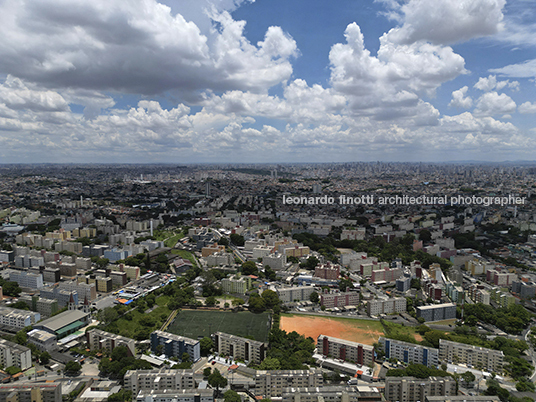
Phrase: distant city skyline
[245,81]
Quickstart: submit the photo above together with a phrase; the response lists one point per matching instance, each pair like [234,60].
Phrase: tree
[72,367]
[21,338]
[206,345]
[185,357]
[249,268]
[20,305]
[425,235]
[271,299]
[216,380]
[257,303]
[231,396]
[207,371]
[121,396]
[468,377]
[210,301]
[270,363]
[12,370]
[45,358]
[11,288]
[237,240]
[314,297]
[102,263]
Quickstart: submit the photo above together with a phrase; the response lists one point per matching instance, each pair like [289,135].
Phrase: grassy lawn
[185,254]
[134,321]
[198,323]
[172,241]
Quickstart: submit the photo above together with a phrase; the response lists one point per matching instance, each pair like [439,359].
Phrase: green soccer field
[199,323]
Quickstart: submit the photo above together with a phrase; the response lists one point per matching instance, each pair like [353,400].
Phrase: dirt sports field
[361,331]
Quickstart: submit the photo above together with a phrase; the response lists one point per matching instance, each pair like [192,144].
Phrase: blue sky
[267,81]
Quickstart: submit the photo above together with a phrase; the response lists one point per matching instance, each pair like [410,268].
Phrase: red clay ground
[358,331]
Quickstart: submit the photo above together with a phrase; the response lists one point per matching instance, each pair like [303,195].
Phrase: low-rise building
[64,323]
[45,341]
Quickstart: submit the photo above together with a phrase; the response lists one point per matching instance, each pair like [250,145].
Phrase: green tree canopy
[216,380]
[231,396]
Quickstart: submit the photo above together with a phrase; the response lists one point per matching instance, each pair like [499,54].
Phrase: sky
[267,81]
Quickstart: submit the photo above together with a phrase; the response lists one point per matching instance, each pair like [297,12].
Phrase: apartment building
[104,284]
[31,392]
[45,307]
[61,296]
[479,294]
[101,340]
[119,279]
[333,394]
[133,273]
[24,279]
[345,350]
[455,292]
[474,356]
[409,352]
[295,293]
[296,251]
[437,312]
[177,395]
[411,389]
[13,354]
[353,234]
[341,299]
[375,307]
[175,345]
[276,261]
[18,319]
[239,348]
[236,284]
[500,278]
[327,271]
[270,384]
[214,248]
[159,380]
[525,290]
[386,274]
[403,284]
[221,258]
